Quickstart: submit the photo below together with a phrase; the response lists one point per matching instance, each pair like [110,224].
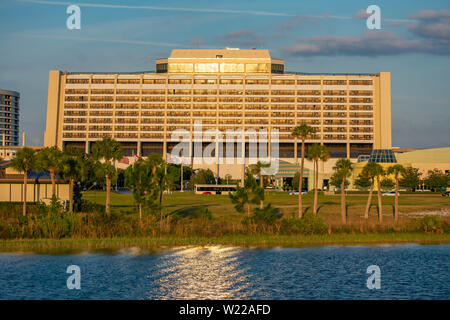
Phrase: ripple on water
[220,272]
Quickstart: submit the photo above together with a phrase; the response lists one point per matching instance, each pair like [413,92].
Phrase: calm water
[407,272]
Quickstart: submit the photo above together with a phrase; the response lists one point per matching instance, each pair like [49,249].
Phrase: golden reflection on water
[201,273]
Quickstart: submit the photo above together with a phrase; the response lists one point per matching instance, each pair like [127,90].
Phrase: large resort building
[224,89]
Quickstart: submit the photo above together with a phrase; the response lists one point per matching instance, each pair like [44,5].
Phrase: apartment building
[9,118]
[224,89]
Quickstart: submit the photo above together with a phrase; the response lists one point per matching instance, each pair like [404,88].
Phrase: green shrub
[267,215]
[308,224]
[431,224]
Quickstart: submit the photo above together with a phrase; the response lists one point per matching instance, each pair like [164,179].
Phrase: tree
[387,184]
[107,150]
[257,169]
[410,178]
[437,180]
[342,171]
[317,153]
[202,176]
[247,195]
[362,182]
[302,132]
[373,171]
[71,169]
[397,170]
[50,159]
[160,178]
[139,179]
[24,161]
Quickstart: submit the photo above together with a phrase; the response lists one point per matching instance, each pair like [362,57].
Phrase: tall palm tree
[50,159]
[71,169]
[343,170]
[257,169]
[107,150]
[303,132]
[373,171]
[138,177]
[24,160]
[317,153]
[397,170]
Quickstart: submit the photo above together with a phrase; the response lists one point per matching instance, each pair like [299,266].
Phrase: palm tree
[373,170]
[108,150]
[317,153]
[257,169]
[50,159]
[396,170]
[302,132]
[71,169]
[343,170]
[24,160]
[138,177]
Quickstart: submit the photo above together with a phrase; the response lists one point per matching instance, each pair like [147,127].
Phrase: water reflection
[201,273]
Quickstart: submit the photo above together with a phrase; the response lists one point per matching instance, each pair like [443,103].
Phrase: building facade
[224,89]
[9,118]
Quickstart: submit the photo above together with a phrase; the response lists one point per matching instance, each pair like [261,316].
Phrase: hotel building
[225,89]
[9,118]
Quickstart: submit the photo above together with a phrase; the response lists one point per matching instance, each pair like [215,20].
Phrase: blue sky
[312,36]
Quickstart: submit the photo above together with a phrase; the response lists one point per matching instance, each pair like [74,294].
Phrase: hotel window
[161,67]
[205,81]
[308,92]
[154,81]
[283,82]
[256,81]
[232,67]
[256,68]
[231,81]
[76,91]
[205,92]
[207,67]
[231,92]
[335,82]
[160,92]
[277,68]
[179,92]
[283,92]
[77,80]
[102,91]
[361,82]
[309,82]
[103,81]
[179,81]
[257,92]
[181,67]
[128,81]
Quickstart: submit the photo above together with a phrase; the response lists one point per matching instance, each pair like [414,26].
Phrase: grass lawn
[329,206]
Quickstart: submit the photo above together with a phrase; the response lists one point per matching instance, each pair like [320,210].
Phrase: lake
[331,272]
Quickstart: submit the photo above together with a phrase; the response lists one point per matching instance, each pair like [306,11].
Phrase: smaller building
[9,117]
[39,185]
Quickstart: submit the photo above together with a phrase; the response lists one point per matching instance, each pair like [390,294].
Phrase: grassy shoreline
[263,241]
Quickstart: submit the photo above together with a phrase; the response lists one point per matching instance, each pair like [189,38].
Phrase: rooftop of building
[10,92]
[221,54]
[226,53]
